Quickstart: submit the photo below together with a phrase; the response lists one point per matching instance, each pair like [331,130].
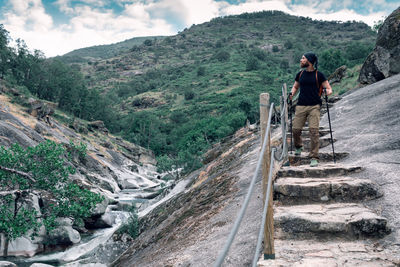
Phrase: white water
[71,256]
[77,251]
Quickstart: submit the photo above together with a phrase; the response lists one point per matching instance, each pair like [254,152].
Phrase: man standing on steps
[308,106]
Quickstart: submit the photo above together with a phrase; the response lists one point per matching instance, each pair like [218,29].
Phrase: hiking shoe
[298,151]
[314,163]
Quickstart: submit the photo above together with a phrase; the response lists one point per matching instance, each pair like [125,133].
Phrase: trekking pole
[330,126]
[291,123]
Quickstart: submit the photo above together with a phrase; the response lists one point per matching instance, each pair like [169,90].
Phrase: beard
[304,65]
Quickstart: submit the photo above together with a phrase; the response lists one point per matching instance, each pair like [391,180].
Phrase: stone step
[340,189]
[303,159]
[323,142]
[305,133]
[306,128]
[332,220]
[321,171]
[329,253]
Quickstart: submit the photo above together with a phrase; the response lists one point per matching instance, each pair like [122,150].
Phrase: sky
[59,26]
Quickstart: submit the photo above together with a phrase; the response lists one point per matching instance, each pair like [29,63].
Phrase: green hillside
[180,94]
[104,51]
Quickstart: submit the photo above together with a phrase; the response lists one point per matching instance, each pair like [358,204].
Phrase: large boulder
[42,109]
[7,264]
[97,126]
[64,234]
[384,61]
[24,245]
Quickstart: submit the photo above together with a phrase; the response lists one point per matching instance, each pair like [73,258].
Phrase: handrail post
[284,95]
[269,250]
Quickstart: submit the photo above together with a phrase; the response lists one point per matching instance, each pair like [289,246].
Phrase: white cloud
[87,27]
[93,24]
[200,11]
[64,6]
[30,14]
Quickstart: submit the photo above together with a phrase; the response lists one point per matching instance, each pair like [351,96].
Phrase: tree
[201,71]
[5,52]
[330,60]
[40,171]
[377,24]
[252,64]
[222,55]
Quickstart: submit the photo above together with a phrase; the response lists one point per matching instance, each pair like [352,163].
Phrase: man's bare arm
[295,87]
[328,87]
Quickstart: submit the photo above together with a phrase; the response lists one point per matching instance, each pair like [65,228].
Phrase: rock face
[384,61]
[110,166]
[338,75]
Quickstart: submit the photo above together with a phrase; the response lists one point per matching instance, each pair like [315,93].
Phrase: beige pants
[312,113]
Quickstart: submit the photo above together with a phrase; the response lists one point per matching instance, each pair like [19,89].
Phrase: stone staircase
[319,216]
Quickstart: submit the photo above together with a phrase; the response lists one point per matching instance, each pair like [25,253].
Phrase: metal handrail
[282,156]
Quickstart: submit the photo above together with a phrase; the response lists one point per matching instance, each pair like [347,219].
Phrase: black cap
[312,58]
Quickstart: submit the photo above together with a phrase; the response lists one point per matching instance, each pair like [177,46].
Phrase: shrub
[41,169]
[260,54]
[252,64]
[288,44]
[222,55]
[148,42]
[131,227]
[331,59]
[201,71]
[189,94]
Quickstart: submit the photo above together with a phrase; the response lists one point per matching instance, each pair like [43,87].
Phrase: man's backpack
[321,89]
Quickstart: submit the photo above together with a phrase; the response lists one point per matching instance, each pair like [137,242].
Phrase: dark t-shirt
[309,91]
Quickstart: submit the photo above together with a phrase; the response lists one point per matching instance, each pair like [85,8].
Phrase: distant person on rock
[309,81]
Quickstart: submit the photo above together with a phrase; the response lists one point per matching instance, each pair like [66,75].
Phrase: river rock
[384,61]
[64,234]
[24,245]
[7,264]
[148,159]
[40,265]
[100,207]
[106,220]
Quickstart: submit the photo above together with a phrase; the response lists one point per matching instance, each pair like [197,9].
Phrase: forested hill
[104,51]
[180,94]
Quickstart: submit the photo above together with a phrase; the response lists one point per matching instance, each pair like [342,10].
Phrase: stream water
[72,255]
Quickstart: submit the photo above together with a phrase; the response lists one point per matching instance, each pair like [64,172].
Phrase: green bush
[252,64]
[288,44]
[148,42]
[222,55]
[201,71]
[131,226]
[189,94]
[330,60]
[259,54]
[43,169]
